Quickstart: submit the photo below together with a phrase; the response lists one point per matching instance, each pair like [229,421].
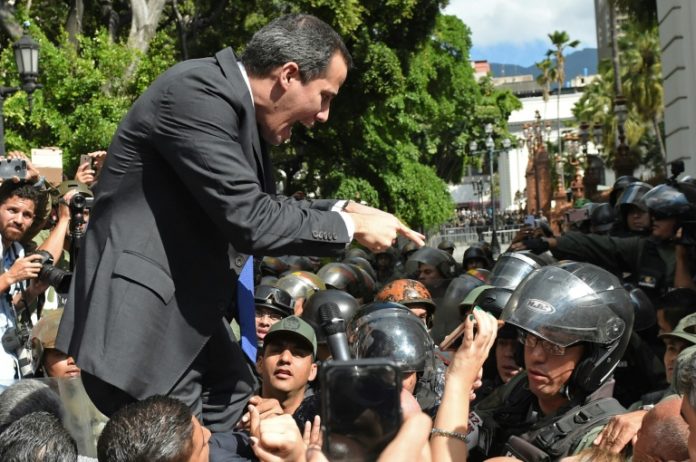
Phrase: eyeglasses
[273,316]
[273,296]
[531,341]
[659,216]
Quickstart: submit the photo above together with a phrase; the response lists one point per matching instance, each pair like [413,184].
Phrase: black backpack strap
[557,438]
[560,437]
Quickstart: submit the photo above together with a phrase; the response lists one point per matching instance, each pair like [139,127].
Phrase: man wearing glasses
[574,322]
[272,305]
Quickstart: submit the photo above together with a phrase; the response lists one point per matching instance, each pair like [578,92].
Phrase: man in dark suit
[185,194]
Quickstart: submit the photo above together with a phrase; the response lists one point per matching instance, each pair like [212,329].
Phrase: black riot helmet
[633,195]
[390,330]
[362,263]
[602,218]
[341,276]
[447,246]
[347,305]
[619,186]
[576,303]
[677,201]
[440,259]
[476,252]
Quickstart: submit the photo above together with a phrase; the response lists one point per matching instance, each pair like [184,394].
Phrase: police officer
[390,330]
[633,216]
[574,320]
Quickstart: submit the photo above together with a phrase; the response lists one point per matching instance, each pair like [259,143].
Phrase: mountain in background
[578,63]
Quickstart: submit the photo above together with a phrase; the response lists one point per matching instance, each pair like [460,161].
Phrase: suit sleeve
[197,132]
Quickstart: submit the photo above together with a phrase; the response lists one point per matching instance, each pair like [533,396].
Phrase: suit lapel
[228,62]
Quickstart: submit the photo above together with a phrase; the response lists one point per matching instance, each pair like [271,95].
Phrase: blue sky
[515,31]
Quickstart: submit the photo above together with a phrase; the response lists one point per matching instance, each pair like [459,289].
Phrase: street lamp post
[490,145]
[26,52]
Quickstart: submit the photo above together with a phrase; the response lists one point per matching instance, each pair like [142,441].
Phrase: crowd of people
[125,337]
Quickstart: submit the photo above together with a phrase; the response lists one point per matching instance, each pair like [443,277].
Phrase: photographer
[18,285]
[74,204]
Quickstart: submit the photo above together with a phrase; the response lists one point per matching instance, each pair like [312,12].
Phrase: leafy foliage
[398,129]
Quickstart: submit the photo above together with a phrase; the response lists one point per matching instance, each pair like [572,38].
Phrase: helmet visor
[511,269]
[558,306]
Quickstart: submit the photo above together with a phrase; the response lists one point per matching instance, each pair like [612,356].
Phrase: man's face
[422,314]
[199,441]
[637,219]
[475,263]
[689,415]
[16,216]
[505,358]
[429,275]
[548,373]
[297,102]
[265,318]
[673,347]
[663,228]
[58,364]
[287,364]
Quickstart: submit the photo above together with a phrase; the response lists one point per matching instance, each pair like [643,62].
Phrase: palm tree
[642,78]
[561,41]
[547,76]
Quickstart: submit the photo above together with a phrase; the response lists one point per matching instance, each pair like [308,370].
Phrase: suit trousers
[216,386]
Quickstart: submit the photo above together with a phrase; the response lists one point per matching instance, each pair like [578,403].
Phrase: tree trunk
[74,23]
[146,15]
[660,143]
[8,22]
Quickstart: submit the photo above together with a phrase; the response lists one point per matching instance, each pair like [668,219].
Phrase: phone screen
[361,408]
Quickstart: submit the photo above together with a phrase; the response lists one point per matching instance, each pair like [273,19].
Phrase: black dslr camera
[55,277]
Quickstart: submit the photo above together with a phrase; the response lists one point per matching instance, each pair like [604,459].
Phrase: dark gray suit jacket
[185,191]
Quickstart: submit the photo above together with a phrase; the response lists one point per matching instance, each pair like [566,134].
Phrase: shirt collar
[246,80]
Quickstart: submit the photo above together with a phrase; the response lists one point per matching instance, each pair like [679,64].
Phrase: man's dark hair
[157,429]
[22,189]
[37,437]
[302,38]
[25,397]
[677,304]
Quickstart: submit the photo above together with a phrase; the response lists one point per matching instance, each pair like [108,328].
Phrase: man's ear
[288,72]
[313,371]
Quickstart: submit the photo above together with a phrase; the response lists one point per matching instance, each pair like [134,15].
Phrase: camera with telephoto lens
[51,275]
[79,202]
[15,342]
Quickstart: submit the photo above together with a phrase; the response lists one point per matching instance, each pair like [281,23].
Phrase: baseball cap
[296,326]
[685,330]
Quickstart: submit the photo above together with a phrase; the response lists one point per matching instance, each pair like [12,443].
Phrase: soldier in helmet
[272,304]
[560,403]
[650,264]
[447,246]
[476,257]
[633,214]
[390,330]
[413,295]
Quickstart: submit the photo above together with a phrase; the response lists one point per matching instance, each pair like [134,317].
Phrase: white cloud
[495,22]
